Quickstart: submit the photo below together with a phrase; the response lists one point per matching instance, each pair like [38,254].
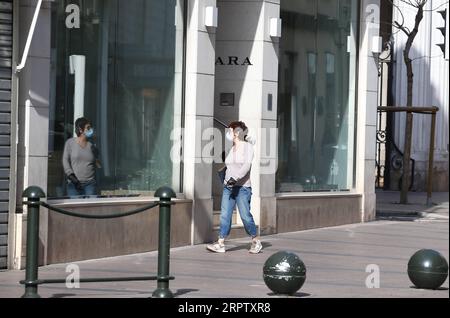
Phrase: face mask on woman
[230,135]
[89,133]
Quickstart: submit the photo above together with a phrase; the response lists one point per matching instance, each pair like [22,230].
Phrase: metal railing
[427,111]
[389,158]
[33,197]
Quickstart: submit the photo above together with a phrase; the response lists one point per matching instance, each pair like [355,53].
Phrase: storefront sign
[233,60]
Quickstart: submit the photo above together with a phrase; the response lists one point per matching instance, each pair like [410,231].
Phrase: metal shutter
[6,30]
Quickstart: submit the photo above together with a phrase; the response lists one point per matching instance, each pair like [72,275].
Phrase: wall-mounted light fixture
[211,17]
[377,44]
[275,27]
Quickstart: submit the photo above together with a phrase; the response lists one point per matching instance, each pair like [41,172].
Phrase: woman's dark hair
[240,128]
[80,124]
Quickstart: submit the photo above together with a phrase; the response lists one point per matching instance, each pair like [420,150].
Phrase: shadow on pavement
[246,246]
[62,295]
[180,292]
[296,295]
[440,288]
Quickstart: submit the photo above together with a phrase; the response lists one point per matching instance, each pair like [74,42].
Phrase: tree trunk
[406,180]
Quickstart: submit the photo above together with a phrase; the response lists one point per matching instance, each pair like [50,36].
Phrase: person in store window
[80,159]
[237,189]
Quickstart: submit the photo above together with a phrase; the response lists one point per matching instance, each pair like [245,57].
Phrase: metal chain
[99,216]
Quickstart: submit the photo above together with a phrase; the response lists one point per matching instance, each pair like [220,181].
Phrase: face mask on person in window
[230,135]
[89,133]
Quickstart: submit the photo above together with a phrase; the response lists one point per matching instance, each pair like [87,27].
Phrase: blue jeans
[88,189]
[242,197]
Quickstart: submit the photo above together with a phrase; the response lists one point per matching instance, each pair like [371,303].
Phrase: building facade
[157,79]
[431,81]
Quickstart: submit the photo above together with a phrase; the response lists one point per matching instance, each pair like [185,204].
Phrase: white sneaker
[256,247]
[217,247]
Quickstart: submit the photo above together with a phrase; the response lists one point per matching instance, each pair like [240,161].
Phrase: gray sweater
[239,164]
[80,161]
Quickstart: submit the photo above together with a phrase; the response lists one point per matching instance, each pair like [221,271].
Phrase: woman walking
[237,189]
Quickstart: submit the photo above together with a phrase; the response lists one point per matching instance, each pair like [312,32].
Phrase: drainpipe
[29,38]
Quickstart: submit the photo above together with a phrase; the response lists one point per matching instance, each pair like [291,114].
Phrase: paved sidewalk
[388,206]
[336,260]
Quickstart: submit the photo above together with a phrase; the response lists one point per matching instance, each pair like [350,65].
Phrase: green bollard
[427,269]
[33,195]
[284,273]
[165,196]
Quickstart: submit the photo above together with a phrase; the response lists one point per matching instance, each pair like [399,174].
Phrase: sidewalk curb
[387,213]
[412,214]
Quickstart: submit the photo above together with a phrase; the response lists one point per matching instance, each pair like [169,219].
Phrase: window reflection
[122,70]
[316,111]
